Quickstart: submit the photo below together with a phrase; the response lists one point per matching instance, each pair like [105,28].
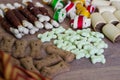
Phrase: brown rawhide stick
[35,46]
[27,62]
[9,14]
[52,71]
[22,19]
[20,47]
[66,55]
[47,61]
[7,44]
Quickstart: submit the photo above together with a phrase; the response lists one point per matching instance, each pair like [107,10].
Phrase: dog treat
[100,3]
[118,25]
[112,32]
[9,14]
[48,61]
[27,62]
[20,48]
[66,55]
[102,9]
[117,14]
[29,16]
[5,25]
[44,11]
[116,4]
[109,17]
[15,61]
[97,21]
[52,71]
[7,44]
[22,19]
[36,49]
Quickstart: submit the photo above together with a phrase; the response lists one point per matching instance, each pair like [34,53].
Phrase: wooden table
[83,69]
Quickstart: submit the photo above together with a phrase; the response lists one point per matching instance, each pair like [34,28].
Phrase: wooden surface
[83,69]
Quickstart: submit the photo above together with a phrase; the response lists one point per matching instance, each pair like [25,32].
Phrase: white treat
[111,31]
[93,50]
[109,17]
[99,35]
[100,3]
[102,9]
[25,1]
[14,31]
[27,24]
[116,4]
[32,31]
[100,51]
[1,13]
[85,34]
[99,58]
[3,7]
[17,5]
[39,25]
[22,29]
[19,36]
[38,4]
[10,6]
[117,14]
[25,30]
[45,39]
[46,18]
[48,25]
[55,23]
[81,54]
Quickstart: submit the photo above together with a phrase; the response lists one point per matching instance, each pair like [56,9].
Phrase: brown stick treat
[15,61]
[27,62]
[28,15]
[66,55]
[52,71]
[36,49]
[34,10]
[7,44]
[48,61]
[20,47]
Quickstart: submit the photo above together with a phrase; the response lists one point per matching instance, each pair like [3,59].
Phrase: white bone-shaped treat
[98,58]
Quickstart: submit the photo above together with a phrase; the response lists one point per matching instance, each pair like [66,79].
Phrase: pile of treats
[27,18]
[82,43]
[107,19]
[55,62]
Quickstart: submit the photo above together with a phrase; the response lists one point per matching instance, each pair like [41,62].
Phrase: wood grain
[83,69]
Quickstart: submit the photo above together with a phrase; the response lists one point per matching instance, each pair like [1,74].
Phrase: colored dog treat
[15,61]
[27,62]
[48,61]
[97,21]
[9,14]
[7,44]
[20,47]
[117,14]
[52,71]
[112,32]
[35,46]
[102,9]
[29,15]
[109,17]
[80,22]
[66,55]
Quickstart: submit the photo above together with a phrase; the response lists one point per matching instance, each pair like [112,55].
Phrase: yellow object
[85,13]
[82,2]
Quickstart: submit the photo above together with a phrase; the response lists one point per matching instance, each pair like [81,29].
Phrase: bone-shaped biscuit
[27,62]
[48,61]
[15,61]
[52,71]
[66,55]
[7,44]
[36,49]
[20,47]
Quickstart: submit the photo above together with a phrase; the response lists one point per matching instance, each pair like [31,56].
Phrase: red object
[91,8]
[70,6]
[80,22]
